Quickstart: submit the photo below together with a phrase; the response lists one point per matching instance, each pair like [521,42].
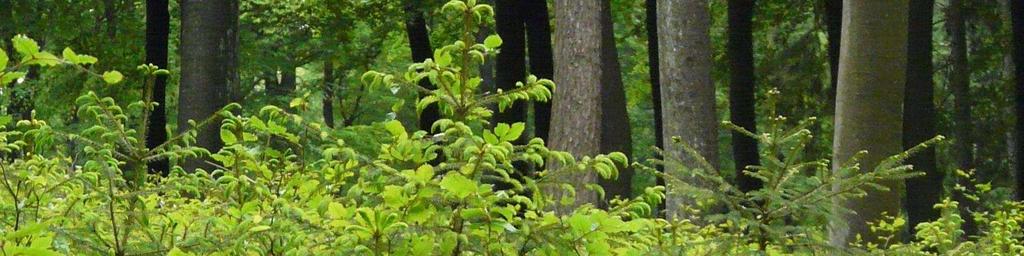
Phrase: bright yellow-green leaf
[493,41]
[80,59]
[458,185]
[3,59]
[112,77]
[25,46]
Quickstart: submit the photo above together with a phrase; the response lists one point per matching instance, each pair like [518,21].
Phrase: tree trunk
[688,94]
[419,44]
[615,129]
[651,23]
[328,101]
[578,96]
[110,15]
[741,90]
[869,107]
[919,115]
[1017,20]
[833,24]
[541,61]
[209,71]
[960,84]
[511,60]
[158,27]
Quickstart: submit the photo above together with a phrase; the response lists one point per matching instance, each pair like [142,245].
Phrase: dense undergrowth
[287,186]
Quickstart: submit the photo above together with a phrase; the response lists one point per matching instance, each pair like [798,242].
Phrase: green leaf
[395,128]
[71,56]
[259,228]
[490,138]
[178,252]
[44,59]
[112,77]
[228,137]
[29,230]
[25,46]
[493,41]
[514,132]
[10,77]
[458,185]
[3,59]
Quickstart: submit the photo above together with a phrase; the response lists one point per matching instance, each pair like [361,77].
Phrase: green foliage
[284,185]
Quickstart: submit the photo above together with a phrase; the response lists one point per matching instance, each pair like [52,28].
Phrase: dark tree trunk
[959,83]
[328,101]
[110,15]
[740,49]
[651,22]
[541,60]
[209,74]
[419,43]
[157,30]
[1017,19]
[615,129]
[511,65]
[834,25]
[919,115]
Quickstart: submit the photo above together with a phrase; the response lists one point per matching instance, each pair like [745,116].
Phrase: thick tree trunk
[328,101]
[419,44]
[741,90]
[511,65]
[833,25]
[615,129]
[541,61]
[869,107]
[578,96]
[688,94]
[919,115]
[158,27]
[209,74]
[960,84]
[1017,20]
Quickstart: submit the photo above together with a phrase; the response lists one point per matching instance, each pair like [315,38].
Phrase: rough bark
[541,61]
[209,71]
[1017,20]
[960,83]
[578,96]
[919,115]
[740,49]
[158,27]
[328,101]
[687,92]
[869,107]
[419,44]
[615,129]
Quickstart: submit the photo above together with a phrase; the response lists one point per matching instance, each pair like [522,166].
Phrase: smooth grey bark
[209,70]
[869,104]
[577,99]
[687,92]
